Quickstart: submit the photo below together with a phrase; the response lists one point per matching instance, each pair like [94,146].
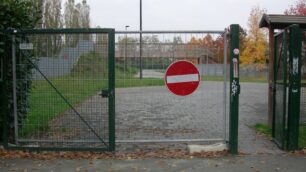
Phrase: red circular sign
[182,78]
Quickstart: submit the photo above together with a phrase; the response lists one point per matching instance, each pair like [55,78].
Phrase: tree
[213,46]
[177,40]
[84,15]
[52,18]
[256,44]
[219,48]
[38,5]
[69,13]
[208,41]
[19,14]
[298,9]
[125,43]
[77,15]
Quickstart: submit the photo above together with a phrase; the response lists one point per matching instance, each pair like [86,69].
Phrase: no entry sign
[182,78]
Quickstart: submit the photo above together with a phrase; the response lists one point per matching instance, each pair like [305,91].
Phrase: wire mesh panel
[146,111]
[302,129]
[280,99]
[57,78]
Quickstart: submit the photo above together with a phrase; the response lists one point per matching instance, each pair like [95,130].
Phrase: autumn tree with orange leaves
[215,45]
[255,43]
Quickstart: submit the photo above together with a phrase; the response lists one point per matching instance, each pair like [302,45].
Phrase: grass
[45,102]
[254,79]
[135,82]
[266,130]
[302,136]
[263,129]
[242,79]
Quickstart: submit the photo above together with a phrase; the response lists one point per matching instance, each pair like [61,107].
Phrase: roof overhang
[276,21]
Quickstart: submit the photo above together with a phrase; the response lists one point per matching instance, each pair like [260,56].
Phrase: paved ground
[255,163]
[153,113]
[254,109]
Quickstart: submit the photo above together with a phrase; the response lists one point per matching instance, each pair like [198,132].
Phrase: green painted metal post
[111,85]
[1,85]
[3,92]
[234,89]
[294,87]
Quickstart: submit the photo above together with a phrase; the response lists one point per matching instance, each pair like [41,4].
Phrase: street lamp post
[125,49]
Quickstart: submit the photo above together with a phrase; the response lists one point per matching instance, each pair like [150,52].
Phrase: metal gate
[281,88]
[286,118]
[61,86]
[145,109]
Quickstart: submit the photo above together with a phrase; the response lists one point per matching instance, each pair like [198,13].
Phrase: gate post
[294,87]
[1,86]
[3,92]
[234,88]
[111,85]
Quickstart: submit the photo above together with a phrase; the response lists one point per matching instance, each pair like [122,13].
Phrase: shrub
[17,14]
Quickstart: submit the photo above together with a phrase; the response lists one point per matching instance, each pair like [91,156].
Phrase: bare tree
[84,15]
[52,16]
[69,14]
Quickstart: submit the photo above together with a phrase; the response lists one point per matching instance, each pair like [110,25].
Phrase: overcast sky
[178,14]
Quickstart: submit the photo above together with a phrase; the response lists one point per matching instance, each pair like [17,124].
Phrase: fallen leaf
[78,169]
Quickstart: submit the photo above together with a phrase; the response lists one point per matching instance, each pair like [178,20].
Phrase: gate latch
[105,93]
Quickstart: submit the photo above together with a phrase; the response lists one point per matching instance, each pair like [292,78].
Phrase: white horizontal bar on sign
[182,78]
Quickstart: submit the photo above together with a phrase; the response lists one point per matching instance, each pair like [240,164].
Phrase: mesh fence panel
[302,131]
[146,110]
[280,104]
[63,106]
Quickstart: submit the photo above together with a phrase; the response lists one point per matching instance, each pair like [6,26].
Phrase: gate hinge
[105,93]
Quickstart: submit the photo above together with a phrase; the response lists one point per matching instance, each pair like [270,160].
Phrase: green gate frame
[234,89]
[110,92]
[291,111]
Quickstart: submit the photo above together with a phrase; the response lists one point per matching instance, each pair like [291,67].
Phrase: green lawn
[302,136]
[45,103]
[264,129]
[254,79]
[242,79]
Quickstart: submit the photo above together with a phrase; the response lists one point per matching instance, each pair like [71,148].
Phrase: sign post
[182,78]
[234,90]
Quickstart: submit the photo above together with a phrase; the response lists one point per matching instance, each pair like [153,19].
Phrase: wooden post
[271,76]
